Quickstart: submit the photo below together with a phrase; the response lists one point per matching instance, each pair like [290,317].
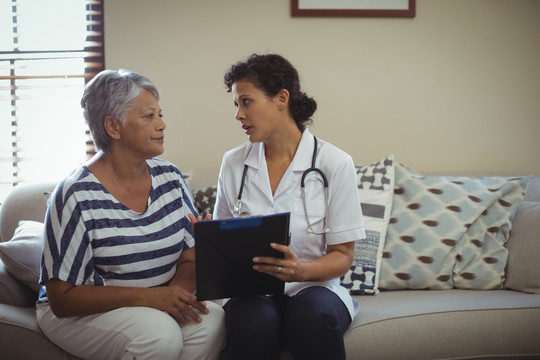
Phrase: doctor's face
[258,114]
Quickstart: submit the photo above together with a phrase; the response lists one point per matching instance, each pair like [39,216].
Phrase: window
[48,51]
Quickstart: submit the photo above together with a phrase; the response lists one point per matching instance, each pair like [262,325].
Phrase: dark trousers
[310,324]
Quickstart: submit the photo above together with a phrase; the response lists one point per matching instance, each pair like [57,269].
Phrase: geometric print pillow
[375,189]
[204,200]
[449,232]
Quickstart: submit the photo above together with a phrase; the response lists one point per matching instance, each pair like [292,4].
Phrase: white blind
[49,49]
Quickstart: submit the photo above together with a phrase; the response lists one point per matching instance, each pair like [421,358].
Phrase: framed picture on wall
[368,8]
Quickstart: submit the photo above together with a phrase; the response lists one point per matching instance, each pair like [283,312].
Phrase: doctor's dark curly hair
[271,73]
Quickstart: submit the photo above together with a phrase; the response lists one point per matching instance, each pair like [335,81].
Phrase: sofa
[404,313]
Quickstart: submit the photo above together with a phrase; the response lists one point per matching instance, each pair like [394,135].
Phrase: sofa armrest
[13,292]
[27,201]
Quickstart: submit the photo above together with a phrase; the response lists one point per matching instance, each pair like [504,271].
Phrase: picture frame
[353,8]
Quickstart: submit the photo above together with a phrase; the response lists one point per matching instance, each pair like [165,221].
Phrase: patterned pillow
[375,188]
[205,200]
[448,232]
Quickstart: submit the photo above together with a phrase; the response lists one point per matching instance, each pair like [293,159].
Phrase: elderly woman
[118,269]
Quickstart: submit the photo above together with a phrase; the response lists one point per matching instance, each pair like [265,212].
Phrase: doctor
[268,175]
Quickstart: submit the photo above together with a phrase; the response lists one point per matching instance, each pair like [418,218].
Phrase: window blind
[49,49]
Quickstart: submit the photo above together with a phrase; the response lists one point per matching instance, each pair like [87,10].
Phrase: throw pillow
[523,267]
[204,200]
[375,188]
[448,232]
[22,254]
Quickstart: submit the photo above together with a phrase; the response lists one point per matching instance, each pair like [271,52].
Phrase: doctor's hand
[289,268]
[335,263]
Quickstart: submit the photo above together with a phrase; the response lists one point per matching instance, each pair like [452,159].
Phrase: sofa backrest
[533,190]
[28,201]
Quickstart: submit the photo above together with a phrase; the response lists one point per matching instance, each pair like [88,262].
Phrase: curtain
[49,49]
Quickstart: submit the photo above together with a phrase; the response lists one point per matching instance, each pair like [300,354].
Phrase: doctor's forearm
[333,265]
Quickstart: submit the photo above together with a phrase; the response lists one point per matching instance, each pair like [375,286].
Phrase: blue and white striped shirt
[91,238]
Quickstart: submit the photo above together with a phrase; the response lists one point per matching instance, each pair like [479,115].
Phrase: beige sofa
[402,324]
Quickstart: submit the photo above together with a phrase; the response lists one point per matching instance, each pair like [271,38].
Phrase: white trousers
[136,333]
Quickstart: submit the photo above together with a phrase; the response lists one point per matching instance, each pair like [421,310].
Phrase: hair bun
[302,107]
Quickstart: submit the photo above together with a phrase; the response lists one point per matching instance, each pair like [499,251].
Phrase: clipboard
[224,250]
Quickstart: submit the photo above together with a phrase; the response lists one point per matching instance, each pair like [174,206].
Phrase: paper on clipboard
[224,250]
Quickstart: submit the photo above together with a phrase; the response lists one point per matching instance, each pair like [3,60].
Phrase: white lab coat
[344,218]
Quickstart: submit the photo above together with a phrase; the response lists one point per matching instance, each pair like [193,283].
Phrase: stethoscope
[238,204]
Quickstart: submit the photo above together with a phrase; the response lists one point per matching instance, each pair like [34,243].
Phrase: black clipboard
[224,250]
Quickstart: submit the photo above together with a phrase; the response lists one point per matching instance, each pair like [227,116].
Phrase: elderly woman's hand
[177,302]
[195,220]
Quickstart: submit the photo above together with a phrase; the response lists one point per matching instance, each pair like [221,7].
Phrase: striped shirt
[91,238]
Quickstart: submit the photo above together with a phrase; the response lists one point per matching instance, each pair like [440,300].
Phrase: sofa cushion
[447,232]
[446,324]
[523,267]
[22,254]
[375,189]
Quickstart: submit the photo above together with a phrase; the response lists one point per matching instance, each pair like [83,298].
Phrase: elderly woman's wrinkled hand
[195,220]
[177,302]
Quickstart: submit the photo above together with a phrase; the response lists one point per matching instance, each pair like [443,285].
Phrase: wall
[454,90]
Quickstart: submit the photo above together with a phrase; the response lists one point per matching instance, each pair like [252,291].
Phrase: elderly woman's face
[143,133]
